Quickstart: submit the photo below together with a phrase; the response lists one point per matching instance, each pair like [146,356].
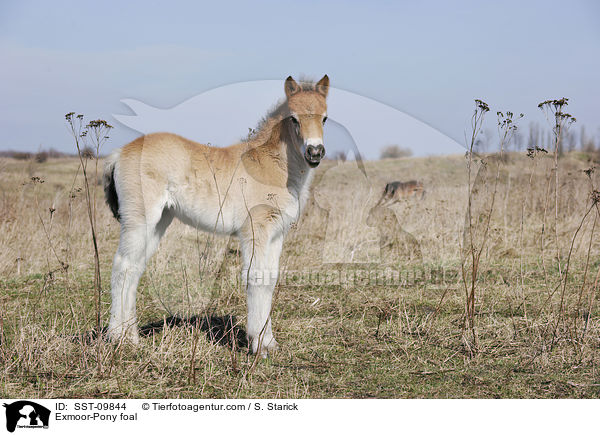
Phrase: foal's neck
[299,174]
[279,148]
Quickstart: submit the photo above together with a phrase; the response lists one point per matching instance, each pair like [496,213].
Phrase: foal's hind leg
[137,244]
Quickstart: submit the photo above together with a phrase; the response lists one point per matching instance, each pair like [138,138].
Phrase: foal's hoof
[129,335]
[273,346]
[266,350]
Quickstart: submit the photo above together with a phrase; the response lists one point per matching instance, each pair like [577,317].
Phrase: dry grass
[538,333]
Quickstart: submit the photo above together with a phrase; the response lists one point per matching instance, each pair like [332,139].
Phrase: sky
[426,60]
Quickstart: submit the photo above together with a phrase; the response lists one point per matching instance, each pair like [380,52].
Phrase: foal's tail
[108,179]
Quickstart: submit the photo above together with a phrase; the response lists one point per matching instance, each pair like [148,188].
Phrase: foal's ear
[291,87]
[322,86]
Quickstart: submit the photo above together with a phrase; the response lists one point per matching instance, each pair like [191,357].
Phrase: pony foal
[254,190]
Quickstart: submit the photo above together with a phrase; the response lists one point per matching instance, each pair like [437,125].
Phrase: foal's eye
[294,121]
[324,119]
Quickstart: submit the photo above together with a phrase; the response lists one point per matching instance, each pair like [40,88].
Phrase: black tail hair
[110,193]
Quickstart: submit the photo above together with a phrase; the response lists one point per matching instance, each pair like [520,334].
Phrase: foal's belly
[201,208]
[209,218]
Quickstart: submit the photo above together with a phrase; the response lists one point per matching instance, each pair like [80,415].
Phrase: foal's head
[307,109]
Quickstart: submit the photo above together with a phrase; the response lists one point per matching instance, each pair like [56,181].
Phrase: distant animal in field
[397,190]
[254,190]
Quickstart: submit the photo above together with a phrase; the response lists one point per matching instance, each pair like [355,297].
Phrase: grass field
[536,323]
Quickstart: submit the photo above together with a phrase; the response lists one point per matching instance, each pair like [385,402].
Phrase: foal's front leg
[259,276]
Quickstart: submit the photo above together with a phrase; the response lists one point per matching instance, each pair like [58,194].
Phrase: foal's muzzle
[314,154]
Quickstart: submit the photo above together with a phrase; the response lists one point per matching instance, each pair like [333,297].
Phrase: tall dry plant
[480,209]
[91,136]
[560,122]
[472,253]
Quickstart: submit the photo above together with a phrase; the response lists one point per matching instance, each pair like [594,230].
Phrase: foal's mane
[274,116]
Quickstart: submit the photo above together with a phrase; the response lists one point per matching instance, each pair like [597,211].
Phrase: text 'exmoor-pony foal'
[255,190]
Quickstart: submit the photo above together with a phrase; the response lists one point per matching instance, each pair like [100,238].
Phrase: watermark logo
[25,414]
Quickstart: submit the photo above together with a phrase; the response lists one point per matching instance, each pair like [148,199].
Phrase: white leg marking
[136,246]
[259,276]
